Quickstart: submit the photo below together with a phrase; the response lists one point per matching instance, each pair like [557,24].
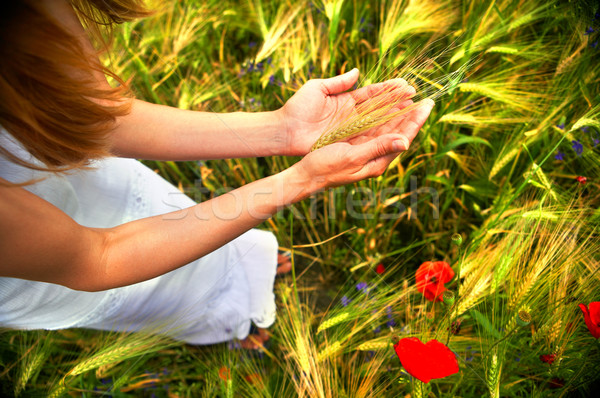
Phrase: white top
[226,288]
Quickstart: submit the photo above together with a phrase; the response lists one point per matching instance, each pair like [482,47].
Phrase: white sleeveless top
[218,294]
[35,305]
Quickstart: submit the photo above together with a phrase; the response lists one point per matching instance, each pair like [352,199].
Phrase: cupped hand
[322,104]
[354,160]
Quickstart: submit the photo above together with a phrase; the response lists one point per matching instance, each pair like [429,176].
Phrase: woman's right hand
[363,157]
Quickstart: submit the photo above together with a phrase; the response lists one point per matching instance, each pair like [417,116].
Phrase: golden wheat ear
[376,112]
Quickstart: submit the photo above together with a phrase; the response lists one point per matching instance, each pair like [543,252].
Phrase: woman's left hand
[320,104]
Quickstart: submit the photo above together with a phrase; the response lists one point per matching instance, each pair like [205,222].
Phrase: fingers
[414,120]
[341,83]
[379,147]
[378,152]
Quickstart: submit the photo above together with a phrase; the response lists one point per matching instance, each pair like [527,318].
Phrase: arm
[159,132]
[39,242]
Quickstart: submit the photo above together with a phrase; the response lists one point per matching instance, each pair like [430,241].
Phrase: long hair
[50,101]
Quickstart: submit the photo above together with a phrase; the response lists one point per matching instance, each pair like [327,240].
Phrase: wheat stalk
[565,63]
[302,354]
[525,286]
[348,131]
[540,332]
[502,50]
[469,300]
[499,165]
[58,391]
[501,271]
[585,122]
[106,357]
[493,377]
[329,350]
[458,118]
[333,321]
[32,364]
[373,345]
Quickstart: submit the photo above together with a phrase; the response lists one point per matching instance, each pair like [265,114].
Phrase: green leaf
[462,140]
[485,323]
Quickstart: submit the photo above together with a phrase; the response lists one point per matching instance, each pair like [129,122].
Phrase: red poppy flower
[380,269]
[432,360]
[431,277]
[548,358]
[224,373]
[591,315]
[253,378]
[581,180]
[555,382]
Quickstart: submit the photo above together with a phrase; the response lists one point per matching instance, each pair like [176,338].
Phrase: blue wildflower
[588,31]
[377,329]
[345,301]
[577,147]
[596,142]
[252,44]
[369,356]
[272,79]
[594,44]
[559,155]
[391,322]
[362,286]
[561,126]
[234,345]
[585,129]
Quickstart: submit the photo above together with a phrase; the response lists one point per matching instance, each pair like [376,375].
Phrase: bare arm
[39,242]
[161,132]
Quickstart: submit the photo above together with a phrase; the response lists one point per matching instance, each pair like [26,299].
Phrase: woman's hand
[323,103]
[363,157]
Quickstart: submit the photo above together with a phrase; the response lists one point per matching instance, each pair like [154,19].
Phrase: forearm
[146,248]
[164,133]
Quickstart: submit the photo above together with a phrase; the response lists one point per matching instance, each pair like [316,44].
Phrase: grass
[517,89]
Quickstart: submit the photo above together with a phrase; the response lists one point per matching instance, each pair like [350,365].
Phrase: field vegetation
[499,191]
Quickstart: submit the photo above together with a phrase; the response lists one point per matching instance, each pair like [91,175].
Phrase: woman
[90,238]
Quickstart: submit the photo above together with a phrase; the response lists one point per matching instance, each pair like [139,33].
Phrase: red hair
[49,99]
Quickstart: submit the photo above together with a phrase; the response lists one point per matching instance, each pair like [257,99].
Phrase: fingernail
[429,102]
[400,145]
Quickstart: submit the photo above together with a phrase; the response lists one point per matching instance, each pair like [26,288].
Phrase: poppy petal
[426,361]
[593,327]
[594,309]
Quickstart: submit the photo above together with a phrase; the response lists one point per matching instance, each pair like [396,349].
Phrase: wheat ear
[333,321]
[349,130]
